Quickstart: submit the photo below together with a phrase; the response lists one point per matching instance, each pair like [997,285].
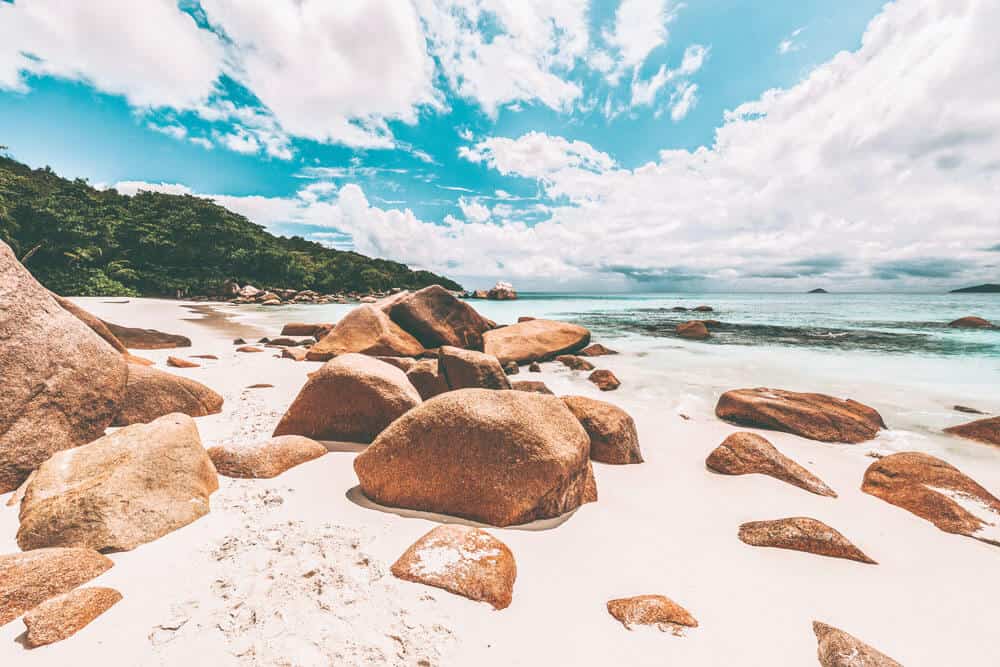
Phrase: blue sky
[479,120]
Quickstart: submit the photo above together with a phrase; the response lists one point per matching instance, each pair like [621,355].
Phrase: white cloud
[538,42]
[789,44]
[537,155]
[683,100]
[473,210]
[640,27]
[132,187]
[157,57]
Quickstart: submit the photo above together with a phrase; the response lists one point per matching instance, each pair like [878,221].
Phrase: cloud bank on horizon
[447,134]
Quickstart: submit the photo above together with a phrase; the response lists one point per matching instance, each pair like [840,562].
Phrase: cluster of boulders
[502,291]
[275,296]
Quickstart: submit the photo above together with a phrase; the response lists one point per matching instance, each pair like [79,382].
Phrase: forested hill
[78,240]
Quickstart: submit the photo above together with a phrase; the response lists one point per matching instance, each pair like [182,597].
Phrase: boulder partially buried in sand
[435,317]
[462,560]
[263,460]
[152,393]
[655,610]
[813,416]
[146,339]
[30,578]
[500,457]
[352,398]
[366,330]
[613,436]
[981,430]
[535,340]
[62,384]
[836,648]
[468,369]
[801,534]
[65,615]
[125,489]
[748,453]
[937,492]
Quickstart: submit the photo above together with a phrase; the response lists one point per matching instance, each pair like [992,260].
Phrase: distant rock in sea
[986,288]
[818,290]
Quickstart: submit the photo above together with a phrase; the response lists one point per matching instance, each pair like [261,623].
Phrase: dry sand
[294,570]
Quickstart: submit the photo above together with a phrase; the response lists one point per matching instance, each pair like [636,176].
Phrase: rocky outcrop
[425,375]
[435,317]
[532,386]
[801,534]
[152,393]
[573,362]
[502,292]
[263,460]
[535,340]
[125,489]
[306,329]
[92,321]
[981,430]
[605,380]
[655,610]
[813,416]
[352,398]
[468,369]
[694,330]
[613,436]
[146,339]
[748,453]
[937,492]
[366,330]
[62,384]
[971,322]
[836,648]
[177,362]
[500,457]
[596,350]
[30,578]
[462,560]
[67,614]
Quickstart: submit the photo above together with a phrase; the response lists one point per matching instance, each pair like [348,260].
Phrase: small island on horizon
[985,288]
[818,290]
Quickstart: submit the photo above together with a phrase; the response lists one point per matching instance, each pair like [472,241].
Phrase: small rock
[204,356]
[596,350]
[605,380]
[29,578]
[525,318]
[239,341]
[695,330]
[747,453]
[249,348]
[260,385]
[801,534]
[294,353]
[532,385]
[983,430]
[836,648]
[511,368]
[177,362]
[303,329]
[656,610]
[534,367]
[703,309]
[971,323]
[613,436]
[67,614]
[147,339]
[266,459]
[574,363]
[968,410]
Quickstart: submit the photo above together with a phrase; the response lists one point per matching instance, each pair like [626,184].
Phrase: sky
[562,145]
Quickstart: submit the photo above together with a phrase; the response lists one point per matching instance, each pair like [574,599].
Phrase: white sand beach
[295,570]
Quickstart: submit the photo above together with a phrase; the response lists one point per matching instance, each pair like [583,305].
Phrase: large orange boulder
[27,579]
[436,317]
[748,453]
[468,369]
[146,339]
[67,614]
[125,489]
[694,330]
[262,460]
[813,416]
[937,492]
[366,330]
[801,534]
[352,398]
[655,610]
[613,436]
[500,457]
[152,393]
[62,384]
[535,340]
[462,560]
[981,430]
[836,648]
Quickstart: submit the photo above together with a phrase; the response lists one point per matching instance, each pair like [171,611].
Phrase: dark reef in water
[987,288]
[818,290]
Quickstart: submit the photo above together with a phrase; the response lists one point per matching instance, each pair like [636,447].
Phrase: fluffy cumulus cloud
[857,175]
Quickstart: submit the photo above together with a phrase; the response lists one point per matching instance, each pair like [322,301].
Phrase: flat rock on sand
[435,317]
[613,436]
[62,384]
[500,457]
[353,397]
[801,534]
[266,459]
[836,648]
[67,614]
[125,489]
[813,416]
[656,610]
[748,453]
[146,339]
[462,560]
[535,340]
[468,369]
[366,330]
[981,430]
[937,492]
[151,393]
[27,579]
